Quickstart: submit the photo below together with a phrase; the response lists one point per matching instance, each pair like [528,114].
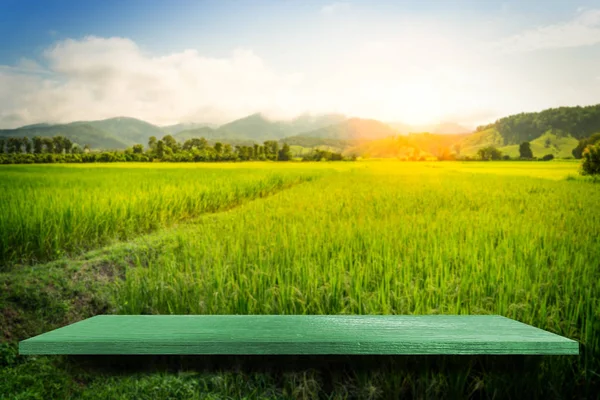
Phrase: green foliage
[548,157]
[350,262]
[77,211]
[583,143]
[323,155]
[579,122]
[489,153]
[548,143]
[311,142]
[285,154]
[525,150]
[129,131]
[591,160]
[480,139]
[386,238]
[79,133]
[166,149]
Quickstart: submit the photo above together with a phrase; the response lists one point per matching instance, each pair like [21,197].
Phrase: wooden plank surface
[298,334]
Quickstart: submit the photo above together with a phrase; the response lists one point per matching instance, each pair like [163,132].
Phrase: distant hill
[554,131]
[308,122]
[129,130]
[353,129]
[202,132]
[548,143]
[175,129]
[578,122]
[253,127]
[81,134]
[471,144]
[258,128]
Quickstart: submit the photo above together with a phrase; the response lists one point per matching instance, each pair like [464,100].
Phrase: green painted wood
[298,334]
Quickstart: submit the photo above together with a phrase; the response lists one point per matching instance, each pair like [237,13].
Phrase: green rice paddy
[519,239]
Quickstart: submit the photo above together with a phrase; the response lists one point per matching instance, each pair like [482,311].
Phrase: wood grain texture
[298,334]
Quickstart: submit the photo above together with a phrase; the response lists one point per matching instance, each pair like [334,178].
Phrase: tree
[218,148]
[583,143]
[152,143]
[160,149]
[171,143]
[548,157]
[591,160]
[525,150]
[489,153]
[271,149]
[48,144]
[199,144]
[2,141]
[67,145]
[38,145]
[13,145]
[58,142]
[76,149]
[227,152]
[285,154]
[138,148]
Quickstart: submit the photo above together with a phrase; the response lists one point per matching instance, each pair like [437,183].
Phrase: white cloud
[419,72]
[97,78]
[583,30]
[335,7]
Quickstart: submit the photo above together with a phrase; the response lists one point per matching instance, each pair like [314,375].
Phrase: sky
[415,62]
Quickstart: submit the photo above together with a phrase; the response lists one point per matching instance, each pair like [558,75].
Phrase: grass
[48,211]
[548,143]
[511,238]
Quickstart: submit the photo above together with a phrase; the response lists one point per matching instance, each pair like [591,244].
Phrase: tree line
[59,149]
[579,122]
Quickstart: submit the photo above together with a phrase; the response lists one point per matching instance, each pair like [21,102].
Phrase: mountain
[578,122]
[478,140]
[175,129]
[253,127]
[212,136]
[552,131]
[309,122]
[258,128]
[129,130]
[353,129]
[81,134]
[199,132]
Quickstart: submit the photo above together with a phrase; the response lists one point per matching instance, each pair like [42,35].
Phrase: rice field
[51,210]
[517,239]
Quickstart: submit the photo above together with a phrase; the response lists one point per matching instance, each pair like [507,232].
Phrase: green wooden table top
[298,334]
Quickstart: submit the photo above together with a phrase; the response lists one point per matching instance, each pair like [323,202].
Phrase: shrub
[591,160]
[548,157]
